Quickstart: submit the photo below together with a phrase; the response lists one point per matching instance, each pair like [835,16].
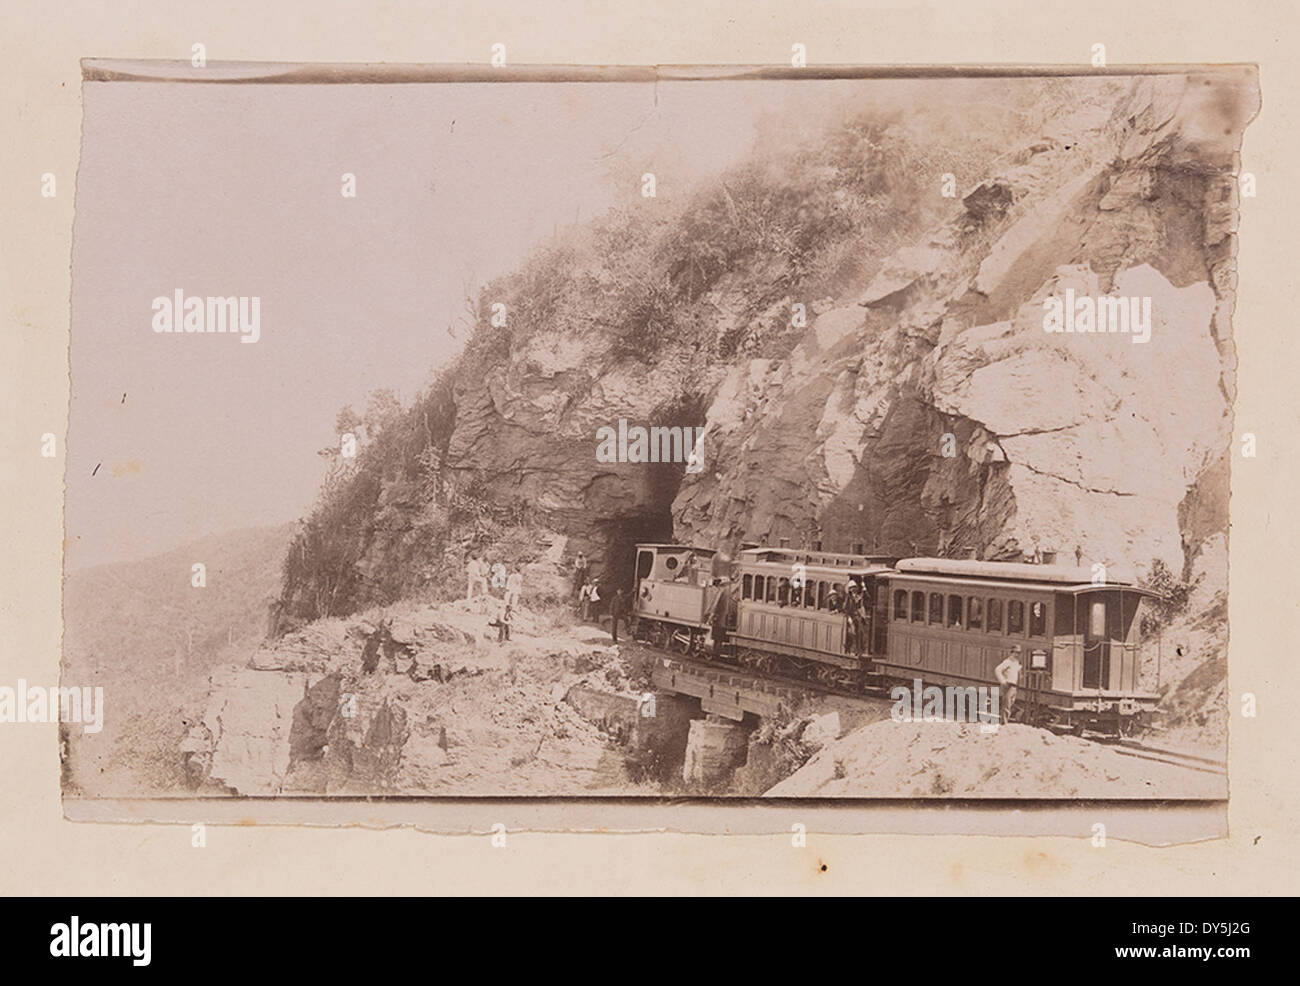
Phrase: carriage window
[918,607]
[1037,620]
[796,596]
[995,616]
[900,604]
[1015,616]
[783,592]
[936,607]
[1097,622]
[771,588]
[645,561]
[809,594]
[974,613]
[954,612]
[758,588]
[747,587]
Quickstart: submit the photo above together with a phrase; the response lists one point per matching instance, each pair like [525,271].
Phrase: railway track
[1158,754]
[1122,745]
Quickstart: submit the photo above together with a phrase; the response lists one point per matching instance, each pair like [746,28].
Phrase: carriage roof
[816,564]
[1016,575]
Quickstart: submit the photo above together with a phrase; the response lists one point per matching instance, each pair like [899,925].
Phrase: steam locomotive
[943,621]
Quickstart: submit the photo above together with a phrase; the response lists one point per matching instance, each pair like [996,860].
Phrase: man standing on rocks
[476,577]
[1008,675]
[502,623]
[581,571]
[274,608]
[514,586]
[615,611]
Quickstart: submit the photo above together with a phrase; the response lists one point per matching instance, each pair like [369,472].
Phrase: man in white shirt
[514,585]
[476,577]
[1008,675]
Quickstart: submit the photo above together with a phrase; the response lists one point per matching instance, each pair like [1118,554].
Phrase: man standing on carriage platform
[719,611]
[834,600]
[855,608]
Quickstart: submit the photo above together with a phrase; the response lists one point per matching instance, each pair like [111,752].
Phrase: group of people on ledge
[483,579]
[478,574]
[591,595]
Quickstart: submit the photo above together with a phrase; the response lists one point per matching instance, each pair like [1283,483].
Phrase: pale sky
[235,190]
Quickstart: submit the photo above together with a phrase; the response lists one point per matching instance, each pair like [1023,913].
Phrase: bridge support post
[663,724]
[715,747]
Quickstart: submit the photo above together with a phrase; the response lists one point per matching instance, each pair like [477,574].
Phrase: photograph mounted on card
[674,441]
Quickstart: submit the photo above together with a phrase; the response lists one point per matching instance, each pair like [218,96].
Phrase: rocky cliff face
[930,403]
[865,373]
[938,403]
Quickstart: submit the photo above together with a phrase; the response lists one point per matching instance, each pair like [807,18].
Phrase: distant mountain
[144,633]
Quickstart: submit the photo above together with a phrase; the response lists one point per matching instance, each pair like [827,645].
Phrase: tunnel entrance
[651,524]
[652,519]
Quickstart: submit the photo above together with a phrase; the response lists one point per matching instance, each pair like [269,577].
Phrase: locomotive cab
[675,593]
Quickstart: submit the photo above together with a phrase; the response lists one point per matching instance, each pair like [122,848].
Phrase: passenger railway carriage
[784,620]
[952,622]
[944,621]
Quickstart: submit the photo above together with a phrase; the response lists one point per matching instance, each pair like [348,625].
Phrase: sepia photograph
[555,449]
[635,434]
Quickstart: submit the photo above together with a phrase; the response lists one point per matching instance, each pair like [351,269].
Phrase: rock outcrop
[930,403]
[447,711]
[938,406]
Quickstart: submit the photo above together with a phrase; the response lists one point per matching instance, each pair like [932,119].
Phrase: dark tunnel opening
[652,524]
[652,521]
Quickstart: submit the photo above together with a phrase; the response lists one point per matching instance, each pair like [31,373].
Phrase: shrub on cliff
[1173,594]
